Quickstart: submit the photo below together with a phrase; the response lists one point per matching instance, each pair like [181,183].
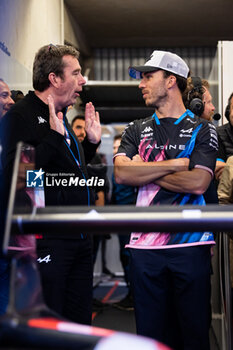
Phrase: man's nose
[82,80]
[142,84]
[10,101]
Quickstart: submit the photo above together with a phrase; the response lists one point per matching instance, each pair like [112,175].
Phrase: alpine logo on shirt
[45,259]
[186,133]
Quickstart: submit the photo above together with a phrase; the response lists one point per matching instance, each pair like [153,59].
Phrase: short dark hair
[49,59]
[181,81]
[77,117]
[117,137]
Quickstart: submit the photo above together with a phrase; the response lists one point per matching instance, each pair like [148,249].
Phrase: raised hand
[55,120]
[92,123]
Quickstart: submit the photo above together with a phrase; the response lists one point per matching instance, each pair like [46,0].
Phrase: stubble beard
[158,102]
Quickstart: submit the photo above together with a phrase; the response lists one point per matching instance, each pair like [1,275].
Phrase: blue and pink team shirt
[168,138]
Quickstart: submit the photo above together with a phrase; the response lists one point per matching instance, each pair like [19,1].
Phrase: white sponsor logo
[46,259]
[41,120]
[169,147]
[149,146]
[182,135]
[191,121]
[147,135]
[147,129]
[147,139]
[188,131]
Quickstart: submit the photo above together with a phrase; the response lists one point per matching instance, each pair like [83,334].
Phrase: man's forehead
[79,122]
[71,60]
[206,93]
[4,86]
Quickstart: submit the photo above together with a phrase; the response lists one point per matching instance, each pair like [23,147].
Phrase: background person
[95,168]
[123,195]
[78,126]
[225,133]
[198,99]
[6,101]
[225,187]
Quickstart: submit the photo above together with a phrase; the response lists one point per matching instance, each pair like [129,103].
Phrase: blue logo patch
[35,178]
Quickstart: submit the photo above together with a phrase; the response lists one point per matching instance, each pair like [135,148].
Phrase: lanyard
[187,112]
[78,162]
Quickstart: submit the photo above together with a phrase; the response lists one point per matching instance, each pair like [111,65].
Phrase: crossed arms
[173,174]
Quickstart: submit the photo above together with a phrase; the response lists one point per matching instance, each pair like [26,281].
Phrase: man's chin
[148,103]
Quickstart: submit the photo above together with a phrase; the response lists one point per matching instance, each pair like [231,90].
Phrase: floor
[110,290]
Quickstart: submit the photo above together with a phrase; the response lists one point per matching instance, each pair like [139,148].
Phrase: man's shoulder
[223,127]
[137,126]
[198,122]
[224,130]
[141,122]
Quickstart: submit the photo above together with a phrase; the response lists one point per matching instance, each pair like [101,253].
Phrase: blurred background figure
[225,187]
[6,100]
[198,99]
[17,95]
[78,126]
[96,167]
[225,132]
[123,195]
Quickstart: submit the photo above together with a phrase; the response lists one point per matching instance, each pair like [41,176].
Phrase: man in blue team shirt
[171,157]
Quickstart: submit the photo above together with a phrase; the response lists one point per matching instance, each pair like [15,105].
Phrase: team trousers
[172,292]
[66,270]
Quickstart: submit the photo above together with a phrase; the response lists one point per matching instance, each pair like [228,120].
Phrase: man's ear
[171,81]
[54,79]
